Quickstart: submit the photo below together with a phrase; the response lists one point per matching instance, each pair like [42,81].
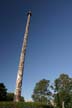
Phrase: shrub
[23,105]
[10,97]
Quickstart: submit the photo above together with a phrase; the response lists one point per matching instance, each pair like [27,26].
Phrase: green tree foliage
[22,99]
[63,91]
[3,92]
[41,92]
[10,97]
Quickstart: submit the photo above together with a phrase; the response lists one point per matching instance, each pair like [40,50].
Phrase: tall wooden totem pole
[18,89]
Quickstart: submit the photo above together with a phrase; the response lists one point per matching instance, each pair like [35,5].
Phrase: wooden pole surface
[21,62]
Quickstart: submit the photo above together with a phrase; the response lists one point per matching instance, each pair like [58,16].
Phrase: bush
[23,105]
[10,97]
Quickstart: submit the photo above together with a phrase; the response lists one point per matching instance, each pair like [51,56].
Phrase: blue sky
[49,49]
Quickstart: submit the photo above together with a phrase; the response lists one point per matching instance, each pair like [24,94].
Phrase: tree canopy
[63,91]
[3,92]
[41,91]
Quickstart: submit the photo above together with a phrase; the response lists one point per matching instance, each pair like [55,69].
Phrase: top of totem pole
[29,13]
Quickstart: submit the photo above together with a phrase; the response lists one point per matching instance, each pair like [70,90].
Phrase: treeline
[58,94]
[6,96]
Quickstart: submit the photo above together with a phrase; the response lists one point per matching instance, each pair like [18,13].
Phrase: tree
[3,92]
[63,91]
[41,91]
[22,99]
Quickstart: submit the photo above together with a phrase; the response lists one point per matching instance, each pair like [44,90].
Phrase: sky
[49,48]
